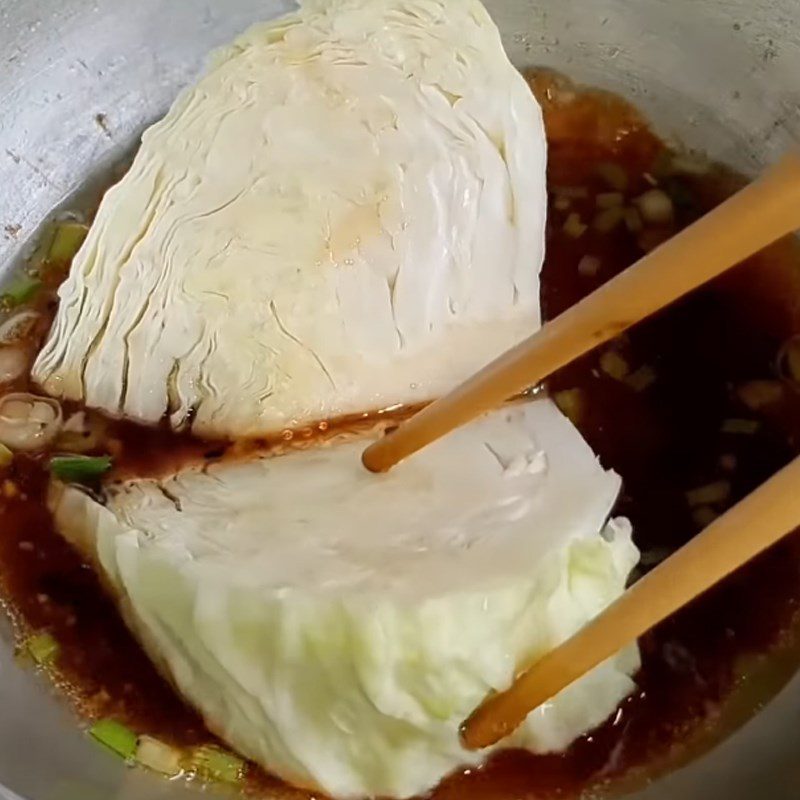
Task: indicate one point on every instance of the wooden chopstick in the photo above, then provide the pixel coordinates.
(751, 526)
(747, 222)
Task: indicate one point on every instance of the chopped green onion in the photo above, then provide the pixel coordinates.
(703, 516)
(570, 401)
(21, 290)
(67, 240)
(655, 206)
(571, 192)
(6, 456)
(115, 736)
(608, 199)
(214, 763)
(793, 359)
(633, 221)
(613, 174)
(614, 365)
(789, 360)
(744, 426)
(711, 493)
(607, 220)
(574, 227)
(589, 266)
(760, 394)
(158, 756)
(79, 469)
(690, 164)
(43, 649)
(642, 378)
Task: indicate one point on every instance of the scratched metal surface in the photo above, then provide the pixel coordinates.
(79, 80)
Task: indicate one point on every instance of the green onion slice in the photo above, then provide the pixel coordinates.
(642, 378)
(43, 649)
(214, 763)
(21, 290)
(710, 494)
(614, 365)
(67, 240)
(740, 426)
(79, 469)
(116, 737)
(571, 403)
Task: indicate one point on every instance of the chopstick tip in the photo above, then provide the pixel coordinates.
(373, 462)
(483, 727)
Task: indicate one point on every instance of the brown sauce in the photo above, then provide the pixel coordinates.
(664, 439)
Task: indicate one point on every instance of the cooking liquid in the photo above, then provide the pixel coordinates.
(663, 439)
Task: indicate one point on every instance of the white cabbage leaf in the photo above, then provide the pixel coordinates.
(337, 626)
(346, 212)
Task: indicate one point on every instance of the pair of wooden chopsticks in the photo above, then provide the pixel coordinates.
(764, 211)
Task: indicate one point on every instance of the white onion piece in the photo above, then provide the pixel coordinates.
(18, 327)
(28, 422)
(13, 362)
